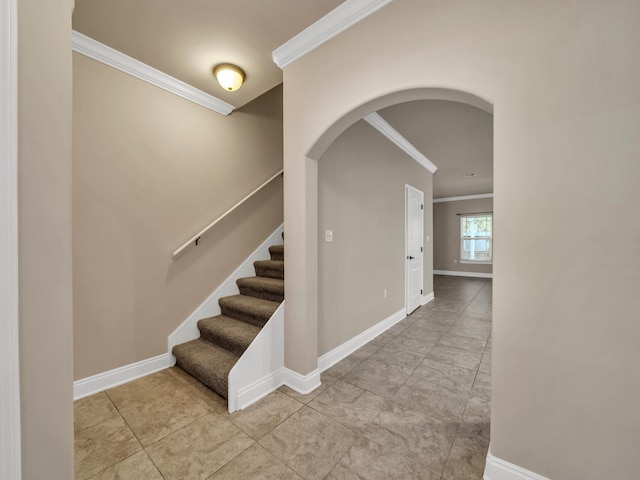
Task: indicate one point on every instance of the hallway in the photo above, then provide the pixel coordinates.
(411, 404)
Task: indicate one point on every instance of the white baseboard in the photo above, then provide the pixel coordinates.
(102, 381)
(302, 384)
(347, 348)
(188, 330)
(427, 298)
(260, 389)
(463, 274)
(497, 469)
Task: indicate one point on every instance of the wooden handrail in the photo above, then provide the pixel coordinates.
(193, 241)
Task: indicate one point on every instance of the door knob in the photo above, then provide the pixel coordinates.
(410, 257)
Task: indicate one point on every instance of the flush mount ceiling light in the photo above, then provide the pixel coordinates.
(230, 77)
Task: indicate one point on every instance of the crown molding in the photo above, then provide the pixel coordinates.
(463, 197)
(333, 23)
(377, 122)
(102, 53)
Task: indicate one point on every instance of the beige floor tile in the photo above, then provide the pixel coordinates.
(484, 369)
(310, 443)
(384, 338)
(217, 403)
(482, 386)
(470, 344)
(415, 341)
(343, 367)
(371, 461)
(103, 445)
(181, 375)
(380, 379)
(326, 382)
(350, 405)
(90, 411)
(455, 356)
(413, 434)
(435, 400)
(365, 351)
(478, 410)
(255, 463)
(157, 405)
(398, 328)
(468, 454)
(445, 374)
(136, 467)
(482, 308)
(200, 449)
(401, 358)
(472, 328)
(263, 416)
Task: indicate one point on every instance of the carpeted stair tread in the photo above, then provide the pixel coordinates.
(206, 362)
(248, 309)
(229, 333)
(277, 252)
(262, 287)
(269, 268)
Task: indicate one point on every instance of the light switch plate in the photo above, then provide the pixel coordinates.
(328, 236)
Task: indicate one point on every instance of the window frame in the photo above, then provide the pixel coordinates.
(464, 216)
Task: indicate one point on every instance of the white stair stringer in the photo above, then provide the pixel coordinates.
(260, 368)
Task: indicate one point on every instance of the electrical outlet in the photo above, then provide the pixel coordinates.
(328, 236)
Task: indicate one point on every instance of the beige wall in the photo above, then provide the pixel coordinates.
(563, 77)
(44, 217)
(150, 169)
(446, 234)
(361, 197)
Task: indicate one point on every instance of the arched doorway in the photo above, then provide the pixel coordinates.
(301, 220)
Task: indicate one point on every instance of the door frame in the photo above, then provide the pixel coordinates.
(10, 435)
(407, 187)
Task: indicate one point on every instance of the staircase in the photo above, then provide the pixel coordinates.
(225, 337)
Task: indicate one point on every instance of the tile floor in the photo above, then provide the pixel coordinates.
(411, 404)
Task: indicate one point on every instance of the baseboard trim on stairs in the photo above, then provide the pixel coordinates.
(102, 381)
(260, 389)
(332, 357)
(302, 384)
(427, 298)
(498, 469)
(188, 330)
(463, 274)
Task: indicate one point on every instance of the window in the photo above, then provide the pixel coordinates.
(476, 238)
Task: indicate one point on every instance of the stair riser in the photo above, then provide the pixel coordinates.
(220, 385)
(264, 294)
(269, 272)
(233, 347)
(248, 317)
(277, 252)
(207, 372)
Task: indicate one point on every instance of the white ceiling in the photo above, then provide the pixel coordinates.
(186, 39)
(456, 137)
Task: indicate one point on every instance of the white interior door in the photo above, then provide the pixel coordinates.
(414, 226)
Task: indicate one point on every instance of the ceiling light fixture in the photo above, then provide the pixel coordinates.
(230, 77)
